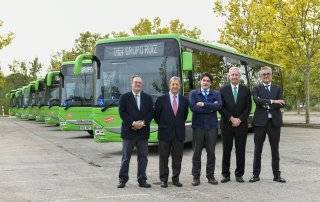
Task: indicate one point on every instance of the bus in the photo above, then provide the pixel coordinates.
(26, 102)
(156, 58)
(12, 102)
(19, 102)
(32, 107)
(52, 81)
(40, 88)
(76, 97)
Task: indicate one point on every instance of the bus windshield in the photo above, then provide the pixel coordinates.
(156, 61)
(26, 97)
(77, 90)
(52, 95)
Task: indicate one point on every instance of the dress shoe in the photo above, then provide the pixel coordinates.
(164, 184)
(240, 179)
(177, 183)
(121, 184)
(254, 179)
(195, 182)
(144, 185)
(279, 179)
(213, 181)
(225, 179)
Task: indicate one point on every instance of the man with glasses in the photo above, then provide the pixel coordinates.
(236, 107)
(204, 104)
(267, 120)
(136, 112)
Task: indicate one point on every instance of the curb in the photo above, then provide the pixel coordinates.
(302, 125)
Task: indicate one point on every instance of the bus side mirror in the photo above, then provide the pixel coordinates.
(80, 60)
(186, 61)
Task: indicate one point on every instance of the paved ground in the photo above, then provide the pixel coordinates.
(294, 117)
(41, 163)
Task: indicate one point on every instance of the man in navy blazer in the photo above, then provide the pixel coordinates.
(267, 119)
(204, 104)
(136, 112)
(171, 112)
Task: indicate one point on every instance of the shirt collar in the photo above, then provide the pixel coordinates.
(171, 94)
(202, 90)
(136, 94)
(269, 84)
(232, 86)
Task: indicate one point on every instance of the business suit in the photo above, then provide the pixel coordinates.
(205, 130)
(129, 112)
(171, 134)
(267, 120)
(239, 108)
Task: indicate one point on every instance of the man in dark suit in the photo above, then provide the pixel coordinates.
(204, 104)
(267, 120)
(171, 112)
(236, 107)
(136, 112)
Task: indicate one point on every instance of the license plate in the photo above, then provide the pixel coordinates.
(85, 128)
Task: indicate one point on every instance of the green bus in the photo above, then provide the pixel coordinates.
(12, 102)
(33, 106)
(76, 98)
(52, 81)
(40, 88)
(26, 102)
(19, 102)
(156, 58)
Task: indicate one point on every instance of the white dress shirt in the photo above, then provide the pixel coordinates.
(137, 97)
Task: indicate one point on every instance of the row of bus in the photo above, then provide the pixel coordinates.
(84, 94)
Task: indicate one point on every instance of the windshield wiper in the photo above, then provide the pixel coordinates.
(109, 105)
(73, 99)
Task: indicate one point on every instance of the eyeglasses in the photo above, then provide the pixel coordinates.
(266, 74)
(206, 80)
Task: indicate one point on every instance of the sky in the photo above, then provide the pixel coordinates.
(43, 27)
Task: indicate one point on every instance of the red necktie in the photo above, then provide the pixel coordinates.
(175, 105)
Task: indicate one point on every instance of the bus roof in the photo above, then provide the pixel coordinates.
(73, 62)
(219, 48)
(49, 77)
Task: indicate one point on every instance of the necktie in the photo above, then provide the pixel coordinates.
(235, 93)
(205, 95)
(267, 87)
(175, 105)
(136, 98)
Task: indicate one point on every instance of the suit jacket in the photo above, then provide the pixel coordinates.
(129, 112)
(240, 109)
(263, 98)
(169, 125)
(205, 117)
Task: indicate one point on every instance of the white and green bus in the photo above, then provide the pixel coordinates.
(156, 58)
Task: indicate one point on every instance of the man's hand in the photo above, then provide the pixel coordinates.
(235, 121)
(200, 104)
(136, 125)
(281, 102)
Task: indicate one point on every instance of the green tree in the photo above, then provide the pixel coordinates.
(5, 39)
(35, 67)
(284, 32)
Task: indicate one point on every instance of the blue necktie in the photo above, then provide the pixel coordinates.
(205, 95)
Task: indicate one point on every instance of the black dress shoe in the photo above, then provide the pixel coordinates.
(195, 182)
(279, 179)
(240, 179)
(177, 183)
(121, 184)
(254, 179)
(225, 179)
(144, 185)
(164, 184)
(213, 181)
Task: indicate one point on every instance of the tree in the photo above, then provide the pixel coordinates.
(36, 66)
(5, 39)
(283, 32)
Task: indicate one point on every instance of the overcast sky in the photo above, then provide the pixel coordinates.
(42, 27)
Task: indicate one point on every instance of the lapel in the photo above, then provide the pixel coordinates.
(169, 104)
(133, 100)
(230, 92)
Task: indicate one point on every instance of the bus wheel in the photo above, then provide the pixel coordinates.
(90, 132)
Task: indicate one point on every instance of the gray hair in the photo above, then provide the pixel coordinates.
(234, 68)
(135, 76)
(174, 78)
(265, 68)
